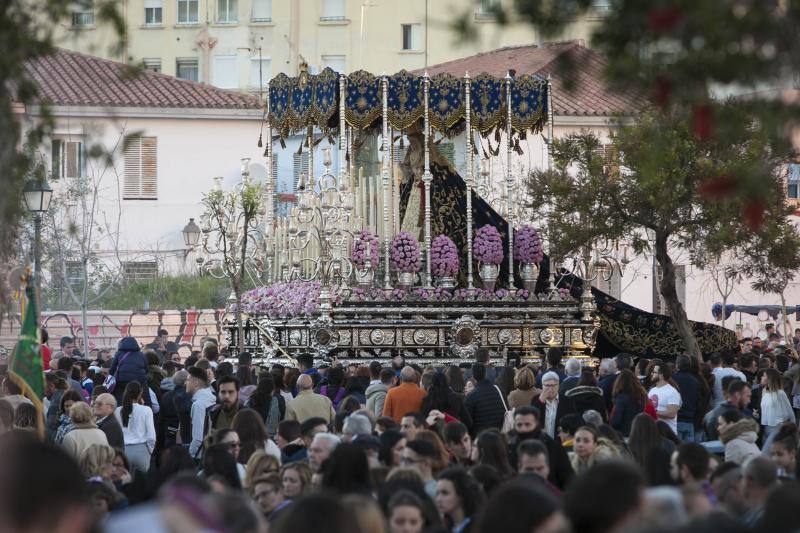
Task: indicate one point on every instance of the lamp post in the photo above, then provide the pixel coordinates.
(37, 193)
(191, 236)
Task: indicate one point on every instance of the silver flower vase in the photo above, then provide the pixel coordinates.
(405, 280)
(364, 277)
(489, 273)
(447, 282)
(529, 272)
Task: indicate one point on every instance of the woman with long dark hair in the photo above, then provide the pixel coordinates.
(138, 429)
(268, 402)
(277, 371)
(630, 399)
(65, 425)
(441, 398)
(491, 449)
(392, 445)
(458, 498)
(219, 463)
(243, 371)
(253, 435)
(455, 379)
(347, 470)
(650, 450)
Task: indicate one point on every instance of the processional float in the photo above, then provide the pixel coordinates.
(414, 263)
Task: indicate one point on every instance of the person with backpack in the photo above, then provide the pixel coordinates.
(268, 402)
(129, 365)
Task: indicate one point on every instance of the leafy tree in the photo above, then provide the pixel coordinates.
(26, 33)
(663, 189)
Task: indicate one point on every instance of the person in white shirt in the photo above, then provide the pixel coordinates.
(725, 370)
(664, 394)
(138, 429)
(775, 405)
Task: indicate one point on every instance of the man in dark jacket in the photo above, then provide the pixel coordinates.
(129, 364)
(221, 415)
(526, 427)
(170, 417)
(485, 404)
(690, 397)
(103, 410)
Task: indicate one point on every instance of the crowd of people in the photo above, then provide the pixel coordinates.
(142, 438)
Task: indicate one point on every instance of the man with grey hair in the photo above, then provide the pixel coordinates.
(103, 410)
(552, 404)
(607, 376)
(573, 370)
(355, 425)
(405, 398)
(759, 477)
(308, 404)
(321, 448)
(174, 400)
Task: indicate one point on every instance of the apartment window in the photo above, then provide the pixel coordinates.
(412, 36)
(153, 10)
(793, 181)
(141, 168)
(262, 11)
(83, 14)
(333, 10)
(133, 271)
(187, 12)
(226, 11)
(337, 63)
(300, 166)
(68, 159)
(260, 72)
(601, 5)
(153, 64)
(186, 69)
(224, 73)
(487, 9)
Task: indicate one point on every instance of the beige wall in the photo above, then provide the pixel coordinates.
(296, 29)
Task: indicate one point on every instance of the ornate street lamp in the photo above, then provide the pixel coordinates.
(37, 194)
(191, 235)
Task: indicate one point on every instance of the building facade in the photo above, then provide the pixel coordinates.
(240, 44)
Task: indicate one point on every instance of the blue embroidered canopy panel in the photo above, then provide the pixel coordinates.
(313, 100)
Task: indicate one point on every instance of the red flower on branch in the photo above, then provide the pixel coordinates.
(717, 187)
(702, 122)
(754, 213)
(663, 19)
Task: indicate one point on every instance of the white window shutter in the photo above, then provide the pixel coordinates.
(133, 167)
(149, 167)
(262, 10)
(225, 73)
(141, 168)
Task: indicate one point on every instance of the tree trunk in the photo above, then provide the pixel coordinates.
(670, 295)
(85, 307)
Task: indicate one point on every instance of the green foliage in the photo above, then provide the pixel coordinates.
(657, 179)
(180, 292)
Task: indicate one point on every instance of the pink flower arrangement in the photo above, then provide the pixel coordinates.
(285, 300)
(444, 257)
(439, 295)
(488, 246)
(363, 239)
(405, 253)
(528, 245)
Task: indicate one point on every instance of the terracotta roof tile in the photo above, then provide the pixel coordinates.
(592, 95)
(75, 79)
